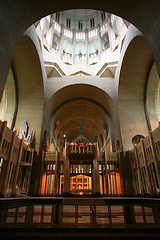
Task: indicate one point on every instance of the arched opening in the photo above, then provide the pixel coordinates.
(75, 96)
(137, 138)
(8, 105)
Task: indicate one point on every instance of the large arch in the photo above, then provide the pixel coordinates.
(26, 13)
(152, 98)
(29, 78)
(70, 113)
(83, 92)
(96, 122)
(105, 84)
(133, 78)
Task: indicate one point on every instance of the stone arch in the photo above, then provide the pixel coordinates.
(134, 73)
(137, 138)
(8, 105)
(20, 20)
(88, 93)
(28, 73)
(152, 98)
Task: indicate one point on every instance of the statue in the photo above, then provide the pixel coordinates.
(25, 132)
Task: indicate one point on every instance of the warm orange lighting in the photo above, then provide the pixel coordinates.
(45, 149)
(43, 184)
(118, 182)
(81, 182)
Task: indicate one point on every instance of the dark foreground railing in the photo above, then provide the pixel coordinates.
(80, 212)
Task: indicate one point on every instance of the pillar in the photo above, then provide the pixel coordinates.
(87, 45)
(49, 36)
(111, 35)
(119, 23)
(43, 25)
(74, 46)
(61, 41)
(99, 41)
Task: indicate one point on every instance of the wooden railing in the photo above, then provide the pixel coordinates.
(88, 212)
(14, 155)
(112, 160)
(145, 162)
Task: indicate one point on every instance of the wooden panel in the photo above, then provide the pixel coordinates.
(8, 134)
(50, 156)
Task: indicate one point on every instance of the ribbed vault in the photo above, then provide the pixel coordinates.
(68, 117)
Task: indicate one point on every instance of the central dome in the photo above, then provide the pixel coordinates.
(82, 37)
(81, 19)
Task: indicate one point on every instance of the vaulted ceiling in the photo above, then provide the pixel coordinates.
(67, 120)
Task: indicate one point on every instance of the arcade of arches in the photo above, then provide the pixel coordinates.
(81, 88)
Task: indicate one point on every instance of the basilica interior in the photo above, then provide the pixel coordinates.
(80, 115)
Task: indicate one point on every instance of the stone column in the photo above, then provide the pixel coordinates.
(49, 36)
(61, 41)
(66, 171)
(74, 46)
(87, 47)
(43, 24)
(17, 168)
(99, 40)
(5, 179)
(119, 23)
(156, 163)
(111, 35)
